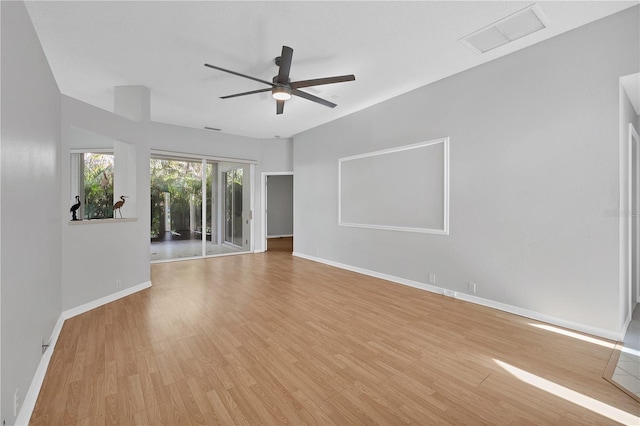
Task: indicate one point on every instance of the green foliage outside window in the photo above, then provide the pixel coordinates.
(183, 181)
(98, 186)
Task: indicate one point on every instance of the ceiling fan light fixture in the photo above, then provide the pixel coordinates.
(281, 93)
(282, 88)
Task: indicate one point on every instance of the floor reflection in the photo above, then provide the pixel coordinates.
(167, 250)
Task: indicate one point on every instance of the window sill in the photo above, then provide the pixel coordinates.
(101, 221)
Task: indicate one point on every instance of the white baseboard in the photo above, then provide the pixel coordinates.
(607, 334)
(31, 397)
(279, 236)
(70, 313)
(392, 278)
(594, 331)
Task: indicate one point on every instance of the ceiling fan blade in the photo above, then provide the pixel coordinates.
(285, 64)
(279, 107)
(312, 98)
(245, 93)
(320, 81)
(240, 75)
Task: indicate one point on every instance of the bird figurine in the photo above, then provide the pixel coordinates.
(119, 204)
(74, 208)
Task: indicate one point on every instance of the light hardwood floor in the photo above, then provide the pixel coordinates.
(272, 339)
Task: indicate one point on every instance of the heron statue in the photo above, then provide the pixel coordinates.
(119, 204)
(74, 208)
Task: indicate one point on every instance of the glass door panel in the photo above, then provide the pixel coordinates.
(211, 223)
(198, 208)
(233, 206)
(237, 207)
(176, 209)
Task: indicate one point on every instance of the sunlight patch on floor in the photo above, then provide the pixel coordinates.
(572, 396)
(578, 336)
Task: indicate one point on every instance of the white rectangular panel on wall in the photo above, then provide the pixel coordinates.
(403, 189)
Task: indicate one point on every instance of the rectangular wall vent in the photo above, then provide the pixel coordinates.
(522, 23)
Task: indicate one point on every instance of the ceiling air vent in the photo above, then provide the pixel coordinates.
(515, 26)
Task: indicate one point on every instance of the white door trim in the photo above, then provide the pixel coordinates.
(633, 162)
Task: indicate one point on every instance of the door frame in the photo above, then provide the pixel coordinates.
(217, 191)
(247, 209)
(634, 163)
(263, 204)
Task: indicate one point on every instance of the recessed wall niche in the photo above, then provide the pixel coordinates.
(401, 189)
(101, 171)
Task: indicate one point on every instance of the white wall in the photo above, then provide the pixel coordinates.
(279, 205)
(534, 168)
(30, 240)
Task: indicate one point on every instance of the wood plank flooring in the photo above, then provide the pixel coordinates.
(268, 339)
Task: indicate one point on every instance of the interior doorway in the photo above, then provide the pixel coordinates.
(629, 218)
(634, 226)
(277, 226)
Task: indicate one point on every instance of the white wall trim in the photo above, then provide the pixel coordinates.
(527, 313)
(31, 397)
(607, 334)
(280, 236)
(70, 313)
(633, 136)
(445, 201)
(175, 155)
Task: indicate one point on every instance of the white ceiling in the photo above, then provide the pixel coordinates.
(391, 47)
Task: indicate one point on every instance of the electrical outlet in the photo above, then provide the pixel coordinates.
(16, 401)
(118, 283)
(432, 278)
(472, 287)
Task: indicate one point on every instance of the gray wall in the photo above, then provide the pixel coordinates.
(279, 205)
(534, 167)
(96, 255)
(30, 240)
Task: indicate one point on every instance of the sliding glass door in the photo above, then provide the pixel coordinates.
(187, 219)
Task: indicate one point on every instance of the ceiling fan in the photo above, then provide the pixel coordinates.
(282, 88)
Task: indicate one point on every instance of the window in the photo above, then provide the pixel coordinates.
(92, 179)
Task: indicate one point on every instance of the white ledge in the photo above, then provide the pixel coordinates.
(101, 221)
